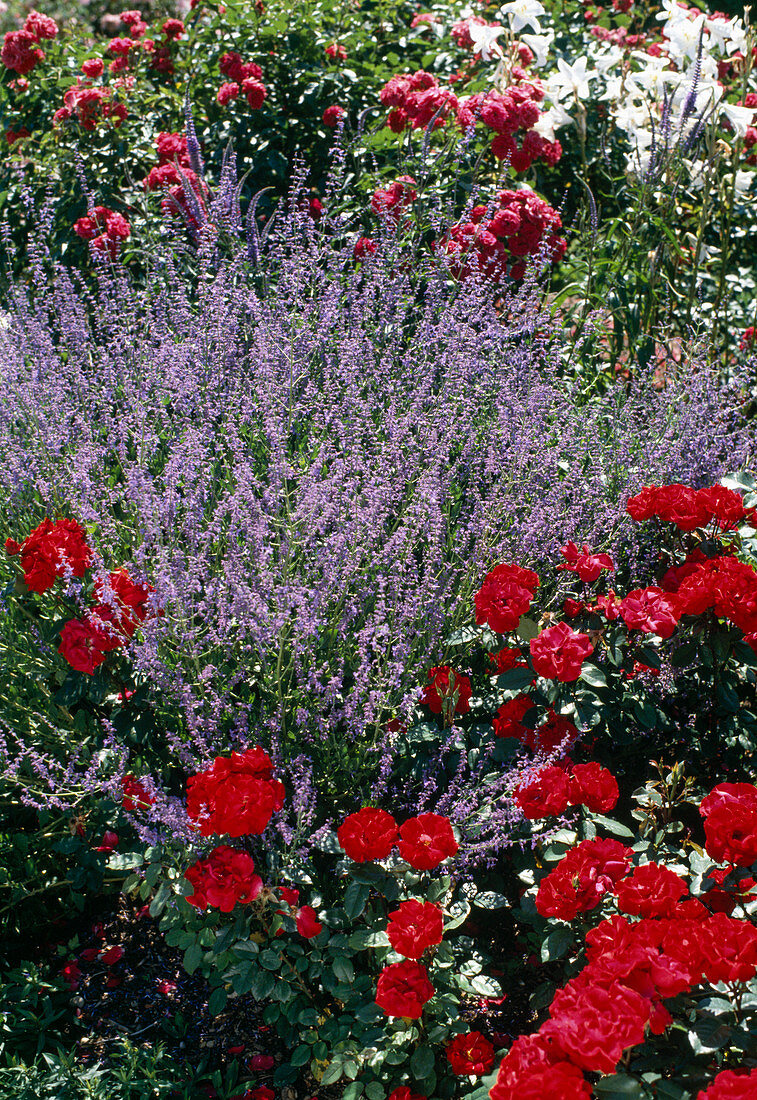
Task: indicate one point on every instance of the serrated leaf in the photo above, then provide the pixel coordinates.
(490, 899)
(355, 899)
(217, 1001)
(422, 1062)
(613, 826)
(593, 676)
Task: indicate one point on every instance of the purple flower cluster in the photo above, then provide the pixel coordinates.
(314, 462)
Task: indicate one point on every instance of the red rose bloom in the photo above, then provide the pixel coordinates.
(332, 115)
(730, 825)
(364, 246)
(593, 786)
(728, 949)
(415, 926)
(404, 1093)
(224, 879)
(586, 565)
(84, 645)
(236, 795)
(544, 795)
(19, 53)
(135, 797)
(732, 1084)
(556, 732)
(650, 891)
(504, 596)
(50, 551)
(125, 606)
(448, 692)
(426, 840)
(595, 1024)
(582, 878)
(535, 1068)
(403, 989)
(508, 722)
(559, 652)
(651, 610)
(470, 1054)
(307, 922)
(368, 834)
(41, 26)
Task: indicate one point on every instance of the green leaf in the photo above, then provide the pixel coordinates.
(557, 943)
(620, 1086)
(422, 1062)
(355, 899)
(344, 969)
(217, 1001)
(684, 655)
(527, 629)
(613, 826)
(515, 679)
(300, 1056)
(489, 899)
(593, 676)
(192, 958)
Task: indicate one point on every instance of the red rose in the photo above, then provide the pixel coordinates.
(41, 26)
(332, 115)
(364, 246)
(125, 605)
(595, 1024)
(392, 200)
(544, 795)
(556, 732)
(173, 28)
(307, 922)
(84, 645)
(403, 989)
(426, 840)
(470, 1054)
(448, 693)
(586, 565)
(725, 506)
(50, 551)
(224, 879)
(593, 786)
(255, 93)
(504, 596)
(135, 796)
(651, 610)
(582, 878)
(404, 1093)
(650, 891)
(368, 834)
(730, 825)
(92, 67)
(508, 722)
(559, 652)
(534, 1068)
(728, 949)
(415, 926)
(236, 795)
(732, 1084)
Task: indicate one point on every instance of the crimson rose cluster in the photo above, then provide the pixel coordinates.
(660, 943)
(416, 99)
(59, 551)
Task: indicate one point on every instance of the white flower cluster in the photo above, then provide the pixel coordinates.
(656, 99)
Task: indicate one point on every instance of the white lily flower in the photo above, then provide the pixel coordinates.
(739, 117)
(571, 80)
(684, 36)
(539, 44)
(743, 182)
(524, 13)
(551, 120)
(484, 40)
